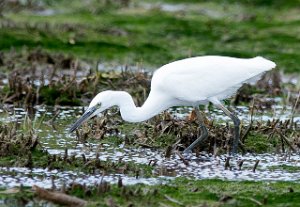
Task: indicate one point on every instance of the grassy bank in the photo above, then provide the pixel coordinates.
(144, 32)
(179, 192)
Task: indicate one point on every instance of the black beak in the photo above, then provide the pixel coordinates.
(87, 114)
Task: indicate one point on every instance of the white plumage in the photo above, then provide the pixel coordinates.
(188, 82)
(200, 78)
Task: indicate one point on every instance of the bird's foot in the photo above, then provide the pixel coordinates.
(187, 154)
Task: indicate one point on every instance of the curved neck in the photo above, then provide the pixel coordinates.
(154, 104)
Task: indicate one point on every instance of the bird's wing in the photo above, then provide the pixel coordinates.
(197, 79)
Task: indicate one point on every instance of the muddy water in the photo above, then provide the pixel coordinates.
(56, 139)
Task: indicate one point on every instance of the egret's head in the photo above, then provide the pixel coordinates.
(100, 103)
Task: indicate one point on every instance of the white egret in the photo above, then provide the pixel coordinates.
(188, 82)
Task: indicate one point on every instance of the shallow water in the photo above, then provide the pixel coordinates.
(14, 177)
(277, 111)
(202, 167)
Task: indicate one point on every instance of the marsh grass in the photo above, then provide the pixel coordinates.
(20, 147)
(154, 36)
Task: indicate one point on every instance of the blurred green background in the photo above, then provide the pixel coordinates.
(154, 32)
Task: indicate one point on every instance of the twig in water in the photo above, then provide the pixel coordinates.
(250, 124)
(146, 145)
(225, 198)
(168, 152)
(215, 150)
(240, 163)
(227, 164)
(66, 154)
(255, 165)
(120, 183)
(58, 197)
(253, 200)
(285, 139)
(294, 109)
(182, 158)
(53, 186)
(173, 200)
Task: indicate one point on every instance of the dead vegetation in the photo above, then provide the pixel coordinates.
(177, 134)
(270, 84)
(37, 77)
(14, 142)
(41, 78)
(22, 148)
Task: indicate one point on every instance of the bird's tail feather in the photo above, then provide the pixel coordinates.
(263, 63)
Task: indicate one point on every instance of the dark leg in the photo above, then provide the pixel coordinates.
(203, 135)
(236, 123)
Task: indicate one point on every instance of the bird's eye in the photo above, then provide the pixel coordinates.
(98, 105)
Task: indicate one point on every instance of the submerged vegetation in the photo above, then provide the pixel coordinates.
(57, 53)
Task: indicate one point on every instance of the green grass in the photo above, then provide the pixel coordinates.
(187, 192)
(155, 37)
(256, 3)
(288, 168)
(210, 192)
(259, 143)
